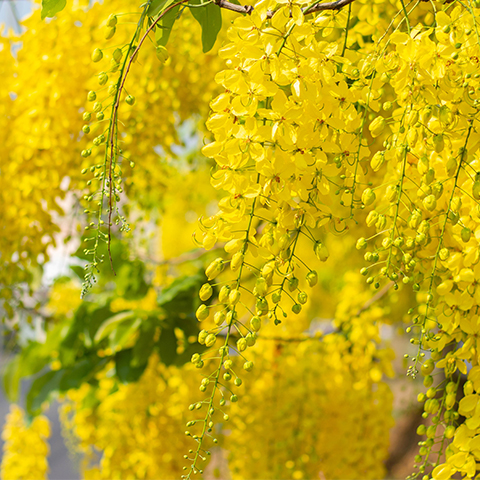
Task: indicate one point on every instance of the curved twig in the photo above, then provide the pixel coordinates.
(248, 9)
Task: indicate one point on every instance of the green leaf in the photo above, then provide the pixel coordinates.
(31, 360)
(81, 372)
(42, 390)
(143, 347)
(155, 7)
(51, 7)
(210, 19)
(79, 271)
(11, 379)
(182, 285)
(167, 346)
(126, 372)
(165, 25)
(130, 283)
(123, 333)
(107, 327)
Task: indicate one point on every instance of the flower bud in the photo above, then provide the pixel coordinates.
(102, 78)
(361, 243)
(97, 55)
(112, 20)
(215, 268)
(391, 193)
(117, 55)
(302, 298)
(261, 287)
(162, 53)
(368, 196)
(224, 293)
(438, 143)
(476, 190)
(210, 340)
(219, 318)
(234, 246)
(372, 218)
(241, 345)
(261, 306)
(430, 203)
(292, 284)
(255, 324)
(312, 278)
(110, 32)
(234, 297)
(321, 251)
(202, 335)
(202, 312)
(377, 126)
(237, 260)
(248, 366)
(205, 292)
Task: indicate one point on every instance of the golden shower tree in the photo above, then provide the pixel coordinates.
(338, 188)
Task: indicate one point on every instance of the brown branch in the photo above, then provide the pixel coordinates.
(248, 9)
(320, 7)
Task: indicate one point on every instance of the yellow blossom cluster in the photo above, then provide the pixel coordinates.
(138, 427)
(423, 213)
(26, 448)
(44, 88)
(316, 407)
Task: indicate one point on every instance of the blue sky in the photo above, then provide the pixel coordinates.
(9, 9)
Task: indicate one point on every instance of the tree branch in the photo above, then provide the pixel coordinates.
(248, 9)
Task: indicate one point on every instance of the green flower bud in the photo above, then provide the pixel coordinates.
(219, 318)
(430, 203)
(202, 335)
(205, 292)
(368, 196)
(251, 339)
(261, 287)
(302, 298)
(321, 251)
(162, 53)
(234, 297)
(110, 32)
(312, 278)
(112, 20)
(361, 243)
(255, 324)
(97, 55)
(210, 340)
(297, 308)
(377, 161)
(248, 366)
(202, 312)
(117, 55)
(237, 260)
(102, 78)
(292, 284)
(215, 268)
(377, 126)
(241, 345)
(224, 293)
(261, 306)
